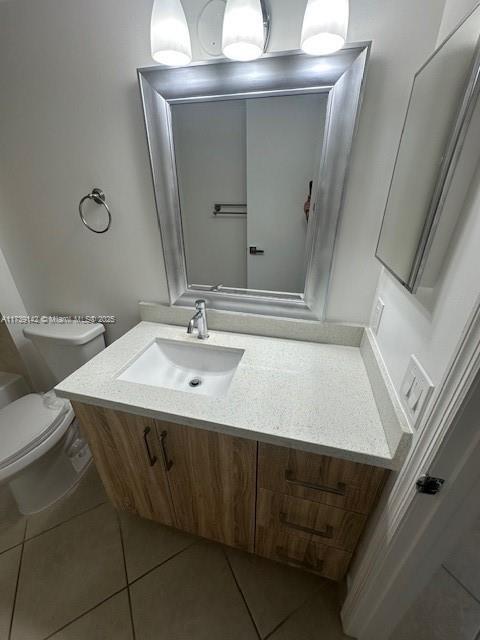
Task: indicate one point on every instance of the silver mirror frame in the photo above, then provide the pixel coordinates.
(342, 77)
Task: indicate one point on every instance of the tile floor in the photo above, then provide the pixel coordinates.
(81, 571)
(449, 606)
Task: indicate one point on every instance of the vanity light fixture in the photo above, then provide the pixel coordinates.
(325, 25)
(169, 35)
(245, 29)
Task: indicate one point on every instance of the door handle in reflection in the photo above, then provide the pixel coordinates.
(256, 252)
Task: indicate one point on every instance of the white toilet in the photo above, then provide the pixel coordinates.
(42, 454)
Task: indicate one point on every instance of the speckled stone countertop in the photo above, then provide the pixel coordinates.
(310, 396)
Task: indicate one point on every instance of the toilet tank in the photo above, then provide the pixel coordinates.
(66, 346)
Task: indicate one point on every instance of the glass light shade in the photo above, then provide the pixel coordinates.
(242, 36)
(325, 25)
(169, 35)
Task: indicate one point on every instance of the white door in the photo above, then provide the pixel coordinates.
(415, 531)
(284, 142)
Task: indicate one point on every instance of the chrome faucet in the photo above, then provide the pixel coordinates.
(199, 320)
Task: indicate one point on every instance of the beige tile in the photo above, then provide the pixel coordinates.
(110, 620)
(9, 563)
(12, 523)
(148, 544)
(192, 596)
(66, 571)
(88, 493)
(443, 611)
(272, 591)
(318, 619)
(464, 562)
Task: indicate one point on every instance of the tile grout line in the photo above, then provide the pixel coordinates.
(132, 624)
(84, 613)
(454, 577)
(292, 613)
(19, 544)
(160, 564)
(17, 583)
(59, 524)
(227, 559)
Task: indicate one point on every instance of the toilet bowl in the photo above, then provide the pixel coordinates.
(42, 453)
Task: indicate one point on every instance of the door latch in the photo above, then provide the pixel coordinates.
(429, 485)
(256, 252)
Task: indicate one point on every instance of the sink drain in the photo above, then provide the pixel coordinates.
(195, 382)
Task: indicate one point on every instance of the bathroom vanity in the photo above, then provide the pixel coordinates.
(287, 461)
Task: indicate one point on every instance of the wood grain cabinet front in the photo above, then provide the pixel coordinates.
(212, 480)
(338, 483)
(127, 455)
(311, 520)
(196, 480)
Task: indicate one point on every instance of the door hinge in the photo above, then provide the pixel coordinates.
(429, 485)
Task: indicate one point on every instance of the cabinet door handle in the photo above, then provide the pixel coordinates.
(324, 533)
(281, 553)
(151, 459)
(166, 460)
(338, 490)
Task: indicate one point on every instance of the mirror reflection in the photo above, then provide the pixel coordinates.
(434, 131)
(247, 173)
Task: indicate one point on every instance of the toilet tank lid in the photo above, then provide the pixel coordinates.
(72, 333)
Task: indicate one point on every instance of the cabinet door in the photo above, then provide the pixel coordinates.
(212, 482)
(127, 455)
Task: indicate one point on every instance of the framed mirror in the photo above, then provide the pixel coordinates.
(422, 209)
(249, 164)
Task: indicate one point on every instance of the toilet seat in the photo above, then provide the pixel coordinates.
(29, 427)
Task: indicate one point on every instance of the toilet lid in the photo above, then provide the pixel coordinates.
(26, 422)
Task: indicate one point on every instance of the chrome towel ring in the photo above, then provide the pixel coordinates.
(97, 196)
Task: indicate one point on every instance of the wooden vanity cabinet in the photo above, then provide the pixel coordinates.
(303, 509)
(196, 480)
(127, 455)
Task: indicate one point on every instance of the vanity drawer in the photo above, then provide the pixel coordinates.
(338, 483)
(299, 552)
(310, 520)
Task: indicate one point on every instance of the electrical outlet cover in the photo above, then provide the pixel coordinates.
(415, 391)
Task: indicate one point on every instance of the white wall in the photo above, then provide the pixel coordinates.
(431, 328)
(455, 11)
(71, 119)
(12, 305)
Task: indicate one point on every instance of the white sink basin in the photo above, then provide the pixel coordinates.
(196, 368)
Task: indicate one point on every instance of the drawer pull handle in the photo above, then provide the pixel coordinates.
(151, 459)
(318, 566)
(325, 533)
(338, 490)
(166, 460)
